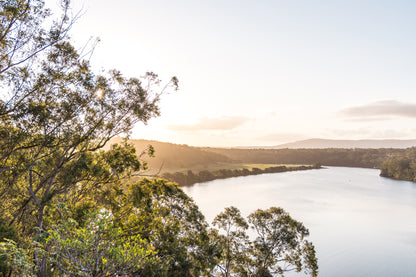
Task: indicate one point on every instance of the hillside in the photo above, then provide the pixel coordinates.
(171, 157)
(332, 143)
(175, 157)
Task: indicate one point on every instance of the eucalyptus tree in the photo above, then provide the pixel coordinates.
(24, 40)
(94, 247)
(280, 245)
(161, 213)
(234, 242)
(277, 246)
(56, 114)
(14, 260)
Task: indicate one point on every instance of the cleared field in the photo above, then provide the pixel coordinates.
(219, 166)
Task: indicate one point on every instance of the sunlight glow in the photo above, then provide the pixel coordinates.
(99, 93)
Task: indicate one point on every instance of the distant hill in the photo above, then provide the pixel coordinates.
(332, 143)
(169, 156)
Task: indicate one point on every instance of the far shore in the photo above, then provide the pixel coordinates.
(189, 178)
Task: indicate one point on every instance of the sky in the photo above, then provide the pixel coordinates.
(262, 73)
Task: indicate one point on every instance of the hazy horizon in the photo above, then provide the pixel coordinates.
(264, 72)
(312, 143)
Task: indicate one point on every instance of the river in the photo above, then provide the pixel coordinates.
(360, 223)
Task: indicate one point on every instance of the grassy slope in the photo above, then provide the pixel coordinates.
(174, 157)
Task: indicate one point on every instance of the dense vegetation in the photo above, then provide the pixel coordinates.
(189, 178)
(369, 158)
(68, 207)
(401, 167)
(175, 157)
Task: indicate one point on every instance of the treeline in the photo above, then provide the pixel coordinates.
(367, 158)
(189, 178)
(402, 167)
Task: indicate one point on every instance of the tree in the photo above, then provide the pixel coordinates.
(56, 114)
(22, 34)
(96, 247)
(280, 244)
(23, 43)
(278, 248)
(234, 241)
(7, 235)
(14, 259)
(160, 212)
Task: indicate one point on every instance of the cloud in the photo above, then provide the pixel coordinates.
(380, 110)
(218, 124)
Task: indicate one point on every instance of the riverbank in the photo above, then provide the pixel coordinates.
(189, 178)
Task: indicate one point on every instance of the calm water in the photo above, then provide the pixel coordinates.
(361, 224)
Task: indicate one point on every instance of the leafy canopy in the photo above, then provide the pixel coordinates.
(279, 245)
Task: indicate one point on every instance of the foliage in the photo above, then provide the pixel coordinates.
(234, 241)
(14, 260)
(162, 213)
(96, 248)
(7, 235)
(6, 231)
(402, 167)
(279, 246)
(56, 113)
(55, 116)
(22, 36)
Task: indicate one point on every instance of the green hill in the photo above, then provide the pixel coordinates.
(176, 157)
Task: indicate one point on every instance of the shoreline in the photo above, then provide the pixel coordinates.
(190, 178)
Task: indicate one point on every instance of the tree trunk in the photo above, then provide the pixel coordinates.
(40, 260)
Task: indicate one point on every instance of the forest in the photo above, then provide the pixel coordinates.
(68, 204)
(401, 167)
(366, 158)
